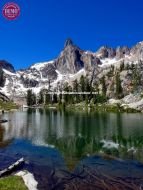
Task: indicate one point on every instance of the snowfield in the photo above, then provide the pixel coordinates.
(15, 87)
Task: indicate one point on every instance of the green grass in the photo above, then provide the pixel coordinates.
(12, 183)
(7, 105)
(102, 107)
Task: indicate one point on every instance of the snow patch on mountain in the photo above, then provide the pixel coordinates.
(108, 62)
(69, 77)
(41, 65)
(8, 72)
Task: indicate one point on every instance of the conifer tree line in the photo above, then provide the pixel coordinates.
(83, 85)
(45, 98)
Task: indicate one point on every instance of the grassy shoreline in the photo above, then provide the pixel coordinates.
(104, 107)
(12, 183)
(7, 106)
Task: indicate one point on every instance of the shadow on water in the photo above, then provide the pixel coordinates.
(59, 148)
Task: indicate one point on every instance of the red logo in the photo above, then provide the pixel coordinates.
(11, 11)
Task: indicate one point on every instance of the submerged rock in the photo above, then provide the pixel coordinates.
(3, 121)
(109, 144)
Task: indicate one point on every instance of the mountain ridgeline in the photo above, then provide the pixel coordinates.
(110, 72)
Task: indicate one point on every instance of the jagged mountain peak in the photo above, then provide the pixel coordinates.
(73, 59)
(106, 52)
(68, 42)
(104, 47)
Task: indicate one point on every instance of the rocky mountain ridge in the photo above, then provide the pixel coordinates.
(74, 62)
(8, 66)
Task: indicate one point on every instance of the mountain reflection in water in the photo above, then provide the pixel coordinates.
(50, 140)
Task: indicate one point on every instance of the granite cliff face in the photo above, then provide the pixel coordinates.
(106, 52)
(69, 60)
(74, 62)
(72, 59)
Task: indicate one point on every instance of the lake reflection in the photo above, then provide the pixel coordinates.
(77, 134)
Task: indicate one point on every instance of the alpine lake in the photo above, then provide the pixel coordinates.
(61, 147)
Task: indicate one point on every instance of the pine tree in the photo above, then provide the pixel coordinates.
(112, 68)
(119, 89)
(66, 90)
(132, 66)
(41, 97)
(47, 99)
(31, 98)
(127, 66)
(76, 89)
(82, 83)
(136, 79)
(87, 89)
(71, 96)
(55, 99)
(68, 98)
(87, 85)
(82, 87)
(2, 79)
(104, 88)
(122, 66)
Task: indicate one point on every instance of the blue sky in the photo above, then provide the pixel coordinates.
(43, 26)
